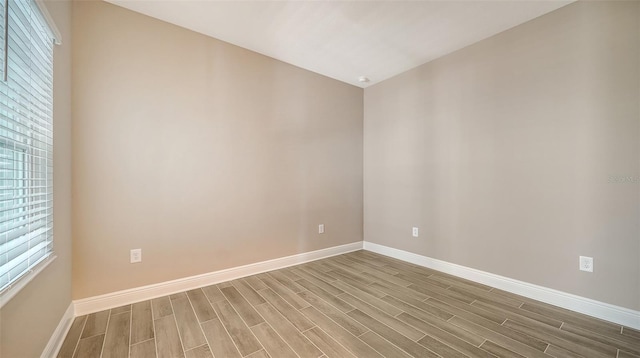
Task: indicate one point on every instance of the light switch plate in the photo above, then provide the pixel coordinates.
(136, 256)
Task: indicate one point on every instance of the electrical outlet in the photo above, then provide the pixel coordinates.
(415, 232)
(586, 263)
(321, 229)
(136, 255)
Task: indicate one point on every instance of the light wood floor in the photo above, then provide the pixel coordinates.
(359, 304)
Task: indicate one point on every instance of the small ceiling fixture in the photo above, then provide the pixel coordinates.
(363, 79)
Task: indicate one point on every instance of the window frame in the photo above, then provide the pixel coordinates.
(33, 164)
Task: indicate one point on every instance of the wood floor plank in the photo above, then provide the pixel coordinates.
(373, 266)
(505, 331)
(73, 336)
(439, 293)
(90, 347)
(322, 266)
(178, 295)
(417, 309)
(188, 326)
(392, 335)
(272, 342)
(378, 276)
(168, 343)
(353, 265)
(405, 267)
(283, 292)
(339, 267)
(400, 289)
(588, 323)
(458, 282)
(407, 297)
(348, 340)
(522, 344)
(201, 305)
(515, 312)
(634, 333)
(199, 352)
(312, 270)
(335, 314)
(482, 295)
(343, 268)
(290, 274)
(623, 354)
(325, 269)
(222, 285)
(440, 348)
(442, 324)
(318, 281)
(145, 349)
(242, 306)
(285, 281)
(248, 292)
(561, 353)
(421, 280)
(383, 346)
(288, 311)
(96, 324)
(141, 322)
(368, 256)
(219, 340)
(300, 344)
(121, 309)
(455, 307)
(381, 316)
(213, 293)
(116, 341)
(556, 341)
(255, 283)
(360, 285)
(625, 343)
(161, 307)
(520, 298)
(259, 354)
(328, 345)
(333, 300)
(499, 351)
(443, 336)
(605, 347)
(375, 301)
(238, 330)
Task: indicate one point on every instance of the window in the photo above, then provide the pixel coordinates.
(26, 140)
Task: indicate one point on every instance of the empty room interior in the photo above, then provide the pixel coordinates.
(195, 178)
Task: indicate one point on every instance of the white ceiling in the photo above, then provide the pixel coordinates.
(347, 39)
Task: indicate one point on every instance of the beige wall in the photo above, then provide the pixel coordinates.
(30, 318)
(205, 155)
(502, 154)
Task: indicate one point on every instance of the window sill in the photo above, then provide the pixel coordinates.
(17, 286)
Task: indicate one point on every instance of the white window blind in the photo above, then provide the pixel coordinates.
(26, 140)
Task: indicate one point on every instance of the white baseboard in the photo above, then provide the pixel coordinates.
(57, 338)
(115, 299)
(605, 311)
